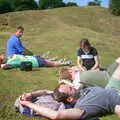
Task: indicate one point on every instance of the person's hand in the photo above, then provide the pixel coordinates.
(84, 69)
(118, 60)
(92, 68)
(24, 103)
(26, 97)
(75, 68)
(28, 52)
(3, 66)
(81, 68)
(117, 110)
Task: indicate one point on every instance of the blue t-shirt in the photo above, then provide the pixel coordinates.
(97, 101)
(14, 46)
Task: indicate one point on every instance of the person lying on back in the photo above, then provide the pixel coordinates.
(89, 102)
(90, 78)
(37, 61)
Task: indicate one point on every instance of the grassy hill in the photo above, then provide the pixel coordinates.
(58, 31)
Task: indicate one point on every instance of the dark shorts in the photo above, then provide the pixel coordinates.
(41, 61)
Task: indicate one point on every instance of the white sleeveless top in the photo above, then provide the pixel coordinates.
(76, 81)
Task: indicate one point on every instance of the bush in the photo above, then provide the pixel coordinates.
(4, 6)
(115, 7)
(18, 5)
(22, 7)
(94, 3)
(45, 4)
(71, 4)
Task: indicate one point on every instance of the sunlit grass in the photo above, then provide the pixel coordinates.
(59, 32)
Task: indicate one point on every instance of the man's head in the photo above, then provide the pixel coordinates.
(66, 73)
(65, 93)
(19, 31)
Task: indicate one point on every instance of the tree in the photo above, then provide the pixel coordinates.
(71, 4)
(4, 6)
(45, 4)
(23, 5)
(115, 7)
(94, 3)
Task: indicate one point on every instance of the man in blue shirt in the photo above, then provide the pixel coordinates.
(14, 44)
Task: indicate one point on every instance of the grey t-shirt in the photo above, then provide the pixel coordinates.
(97, 101)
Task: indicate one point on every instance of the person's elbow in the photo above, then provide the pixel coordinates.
(56, 116)
(117, 110)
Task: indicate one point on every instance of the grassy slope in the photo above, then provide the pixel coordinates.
(58, 31)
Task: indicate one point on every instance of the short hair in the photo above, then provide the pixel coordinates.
(60, 96)
(20, 28)
(84, 42)
(64, 73)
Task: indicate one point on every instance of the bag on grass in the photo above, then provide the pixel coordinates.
(26, 66)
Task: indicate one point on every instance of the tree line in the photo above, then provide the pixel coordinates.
(20, 5)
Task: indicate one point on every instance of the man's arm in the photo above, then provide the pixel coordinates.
(19, 46)
(41, 92)
(29, 96)
(70, 114)
(22, 49)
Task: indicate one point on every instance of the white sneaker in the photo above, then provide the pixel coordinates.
(66, 62)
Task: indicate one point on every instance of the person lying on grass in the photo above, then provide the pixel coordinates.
(89, 102)
(45, 97)
(37, 61)
(91, 77)
(40, 97)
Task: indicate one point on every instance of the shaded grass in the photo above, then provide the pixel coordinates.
(58, 31)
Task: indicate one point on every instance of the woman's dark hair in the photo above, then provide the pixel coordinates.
(84, 42)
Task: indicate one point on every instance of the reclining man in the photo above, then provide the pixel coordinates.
(37, 61)
(89, 102)
(89, 78)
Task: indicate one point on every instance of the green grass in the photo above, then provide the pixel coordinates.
(58, 31)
